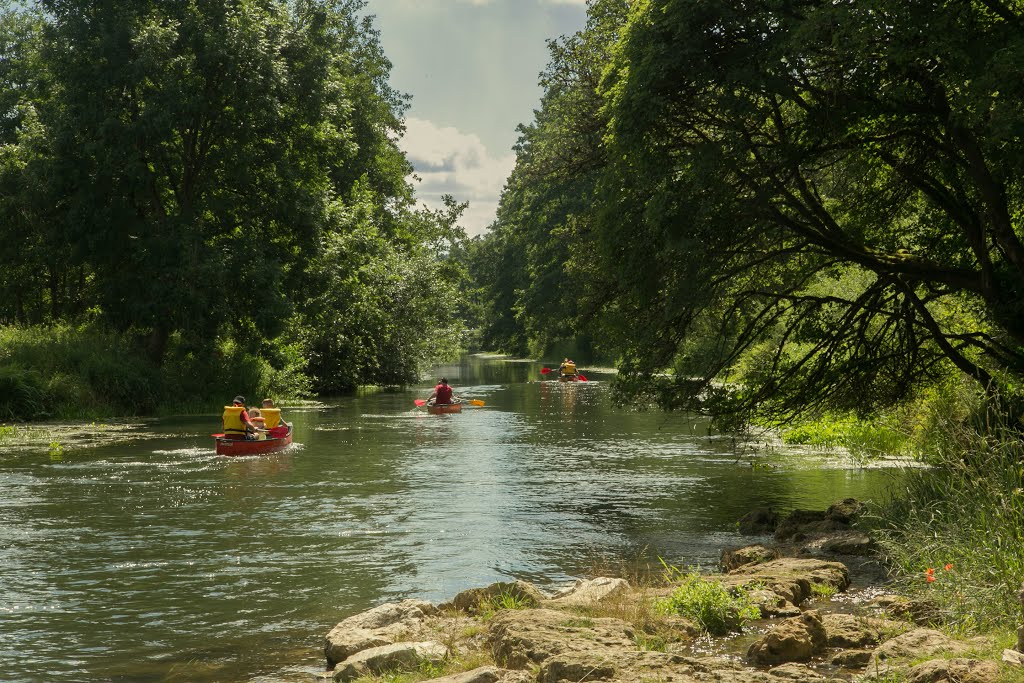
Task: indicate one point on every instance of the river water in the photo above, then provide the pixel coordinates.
(146, 557)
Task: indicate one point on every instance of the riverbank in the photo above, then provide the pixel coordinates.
(813, 604)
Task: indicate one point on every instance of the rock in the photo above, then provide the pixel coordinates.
(796, 672)
(848, 543)
(483, 674)
(791, 577)
(954, 671)
(591, 592)
(917, 643)
(521, 637)
(397, 657)
(374, 628)
(848, 631)
(751, 554)
(852, 659)
(796, 521)
(758, 522)
(1013, 658)
(793, 640)
(523, 593)
(845, 511)
(772, 605)
(576, 667)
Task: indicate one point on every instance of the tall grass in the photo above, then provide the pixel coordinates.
(963, 519)
(64, 371)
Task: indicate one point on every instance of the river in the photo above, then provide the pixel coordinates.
(146, 557)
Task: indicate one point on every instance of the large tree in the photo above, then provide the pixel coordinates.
(829, 190)
(193, 171)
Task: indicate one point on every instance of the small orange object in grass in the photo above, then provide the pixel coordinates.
(929, 578)
(948, 566)
(929, 571)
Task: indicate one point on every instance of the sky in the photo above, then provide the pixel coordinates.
(472, 68)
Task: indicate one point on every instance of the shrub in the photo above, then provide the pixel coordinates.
(708, 603)
(22, 394)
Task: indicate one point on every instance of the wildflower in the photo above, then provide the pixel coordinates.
(929, 578)
(948, 566)
(929, 571)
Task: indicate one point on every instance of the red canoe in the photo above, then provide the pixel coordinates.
(442, 408)
(568, 378)
(243, 447)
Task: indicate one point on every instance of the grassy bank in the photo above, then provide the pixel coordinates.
(67, 372)
(953, 534)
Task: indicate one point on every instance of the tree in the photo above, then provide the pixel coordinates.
(536, 264)
(830, 191)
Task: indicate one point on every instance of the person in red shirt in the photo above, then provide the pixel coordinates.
(443, 394)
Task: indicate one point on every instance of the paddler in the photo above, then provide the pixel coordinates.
(275, 426)
(236, 420)
(443, 394)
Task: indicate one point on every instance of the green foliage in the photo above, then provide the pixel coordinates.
(197, 179)
(708, 603)
(966, 511)
(87, 372)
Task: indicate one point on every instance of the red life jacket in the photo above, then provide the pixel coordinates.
(444, 393)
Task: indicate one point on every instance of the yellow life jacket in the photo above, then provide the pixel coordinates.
(232, 419)
(569, 369)
(271, 417)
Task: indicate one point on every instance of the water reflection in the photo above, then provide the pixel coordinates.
(157, 560)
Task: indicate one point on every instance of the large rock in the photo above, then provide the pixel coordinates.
(486, 674)
(796, 639)
(954, 671)
(758, 522)
(751, 554)
(379, 626)
(591, 592)
(914, 644)
(853, 632)
(519, 638)
(397, 657)
(791, 577)
(845, 511)
(523, 593)
(852, 659)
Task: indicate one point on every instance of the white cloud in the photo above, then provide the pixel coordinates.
(448, 161)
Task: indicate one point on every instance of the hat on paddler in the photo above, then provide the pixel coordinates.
(240, 400)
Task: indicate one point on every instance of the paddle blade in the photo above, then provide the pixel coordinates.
(582, 378)
(420, 402)
(545, 371)
(475, 402)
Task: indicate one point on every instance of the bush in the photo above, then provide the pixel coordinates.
(22, 394)
(708, 603)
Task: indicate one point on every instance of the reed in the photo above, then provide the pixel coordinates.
(955, 534)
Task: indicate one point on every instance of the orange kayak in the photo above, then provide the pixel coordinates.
(442, 408)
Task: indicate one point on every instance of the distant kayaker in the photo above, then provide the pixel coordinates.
(567, 368)
(236, 420)
(443, 394)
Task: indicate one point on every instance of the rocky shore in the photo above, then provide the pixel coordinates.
(824, 615)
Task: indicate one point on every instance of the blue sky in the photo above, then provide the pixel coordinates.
(471, 67)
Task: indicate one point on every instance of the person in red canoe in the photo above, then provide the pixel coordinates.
(236, 420)
(272, 422)
(443, 394)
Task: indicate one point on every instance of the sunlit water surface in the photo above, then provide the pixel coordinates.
(153, 559)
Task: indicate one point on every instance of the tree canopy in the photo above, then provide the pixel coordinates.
(795, 204)
(190, 171)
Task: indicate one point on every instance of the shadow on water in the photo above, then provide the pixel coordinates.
(151, 558)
